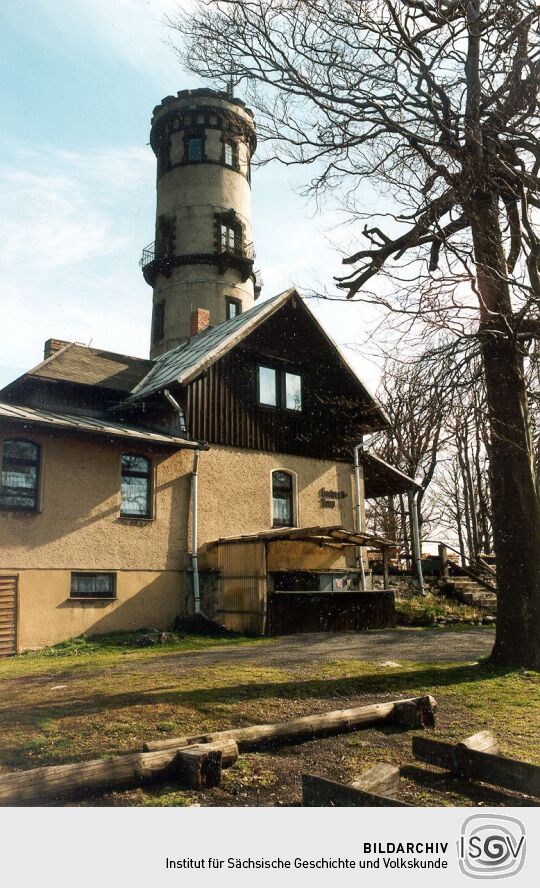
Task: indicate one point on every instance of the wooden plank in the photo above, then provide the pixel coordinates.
(382, 778)
(309, 726)
(477, 765)
(317, 792)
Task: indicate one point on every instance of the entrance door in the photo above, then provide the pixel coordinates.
(8, 616)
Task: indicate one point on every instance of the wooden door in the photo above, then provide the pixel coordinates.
(8, 616)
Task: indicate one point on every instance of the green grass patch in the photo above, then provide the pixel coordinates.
(428, 609)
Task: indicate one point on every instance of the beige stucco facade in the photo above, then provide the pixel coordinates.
(78, 527)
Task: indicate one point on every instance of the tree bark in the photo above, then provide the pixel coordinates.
(514, 486)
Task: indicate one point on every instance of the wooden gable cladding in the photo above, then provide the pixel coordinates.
(222, 408)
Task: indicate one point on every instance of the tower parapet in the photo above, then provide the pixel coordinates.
(203, 255)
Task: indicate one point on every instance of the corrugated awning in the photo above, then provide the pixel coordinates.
(31, 416)
(333, 535)
(382, 479)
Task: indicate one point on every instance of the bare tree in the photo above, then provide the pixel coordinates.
(434, 102)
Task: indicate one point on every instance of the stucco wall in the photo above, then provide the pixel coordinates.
(78, 527)
(47, 615)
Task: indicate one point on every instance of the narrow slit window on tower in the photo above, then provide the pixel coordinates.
(233, 307)
(229, 153)
(158, 322)
(194, 149)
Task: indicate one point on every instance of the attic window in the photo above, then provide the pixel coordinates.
(279, 388)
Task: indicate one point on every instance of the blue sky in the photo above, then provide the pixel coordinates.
(78, 82)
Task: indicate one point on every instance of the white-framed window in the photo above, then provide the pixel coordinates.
(136, 486)
(283, 499)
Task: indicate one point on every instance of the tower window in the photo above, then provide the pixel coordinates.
(233, 307)
(282, 499)
(135, 486)
(228, 238)
(194, 149)
(158, 322)
(229, 153)
(20, 475)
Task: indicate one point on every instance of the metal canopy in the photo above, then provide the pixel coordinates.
(382, 479)
(333, 535)
(31, 416)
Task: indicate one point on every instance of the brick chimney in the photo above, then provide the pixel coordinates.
(199, 321)
(52, 346)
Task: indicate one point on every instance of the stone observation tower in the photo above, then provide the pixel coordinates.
(201, 264)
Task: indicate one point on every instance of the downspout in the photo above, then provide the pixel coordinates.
(194, 533)
(194, 510)
(415, 533)
(358, 513)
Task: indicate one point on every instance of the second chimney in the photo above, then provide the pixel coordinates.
(52, 346)
(200, 319)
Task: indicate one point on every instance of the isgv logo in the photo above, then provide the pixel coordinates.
(491, 846)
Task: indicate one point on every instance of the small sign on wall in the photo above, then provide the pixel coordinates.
(328, 498)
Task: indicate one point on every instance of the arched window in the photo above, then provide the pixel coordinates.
(282, 499)
(136, 486)
(20, 475)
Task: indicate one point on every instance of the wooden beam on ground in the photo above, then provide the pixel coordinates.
(417, 712)
(317, 792)
(475, 763)
(194, 768)
(382, 779)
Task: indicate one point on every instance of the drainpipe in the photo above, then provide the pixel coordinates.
(194, 509)
(194, 530)
(358, 512)
(415, 533)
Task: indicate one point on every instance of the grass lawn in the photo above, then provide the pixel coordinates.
(89, 699)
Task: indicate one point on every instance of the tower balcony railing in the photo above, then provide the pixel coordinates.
(243, 251)
(148, 255)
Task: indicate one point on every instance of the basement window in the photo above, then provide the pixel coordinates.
(93, 585)
(135, 487)
(20, 475)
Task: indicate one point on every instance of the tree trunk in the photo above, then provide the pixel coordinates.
(514, 485)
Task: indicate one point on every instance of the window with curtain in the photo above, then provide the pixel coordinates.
(93, 585)
(282, 499)
(20, 475)
(136, 484)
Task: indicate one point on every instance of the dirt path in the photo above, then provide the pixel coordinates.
(415, 645)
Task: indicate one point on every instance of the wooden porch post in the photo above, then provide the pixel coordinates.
(386, 567)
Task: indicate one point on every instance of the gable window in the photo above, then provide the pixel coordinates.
(194, 149)
(293, 391)
(279, 388)
(229, 154)
(93, 585)
(268, 393)
(282, 499)
(20, 475)
(135, 487)
(233, 307)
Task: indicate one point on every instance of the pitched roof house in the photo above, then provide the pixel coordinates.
(217, 474)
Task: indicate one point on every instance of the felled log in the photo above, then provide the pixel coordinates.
(416, 712)
(317, 792)
(194, 768)
(470, 759)
(382, 779)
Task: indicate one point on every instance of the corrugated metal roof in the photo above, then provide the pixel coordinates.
(333, 533)
(33, 416)
(91, 366)
(180, 364)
